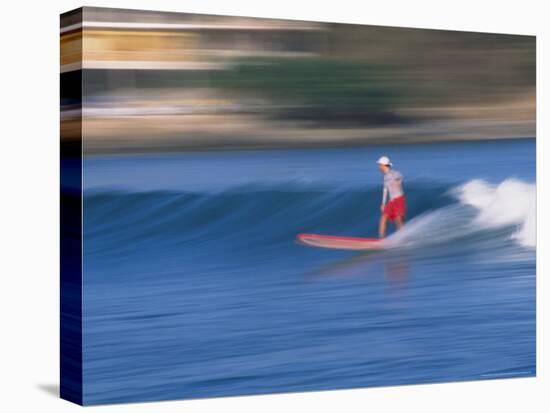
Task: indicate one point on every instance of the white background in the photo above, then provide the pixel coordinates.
(29, 208)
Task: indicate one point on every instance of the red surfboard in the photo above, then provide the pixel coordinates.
(342, 243)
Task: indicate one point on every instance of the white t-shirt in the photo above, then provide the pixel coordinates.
(392, 185)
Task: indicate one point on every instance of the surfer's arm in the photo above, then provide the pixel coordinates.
(384, 198)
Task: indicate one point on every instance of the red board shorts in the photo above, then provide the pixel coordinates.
(396, 208)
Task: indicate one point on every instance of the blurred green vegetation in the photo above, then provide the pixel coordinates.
(325, 90)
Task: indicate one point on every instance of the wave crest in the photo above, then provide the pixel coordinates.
(253, 217)
(512, 202)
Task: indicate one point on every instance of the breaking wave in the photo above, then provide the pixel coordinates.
(252, 217)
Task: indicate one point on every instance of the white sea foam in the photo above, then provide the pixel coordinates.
(512, 202)
(434, 227)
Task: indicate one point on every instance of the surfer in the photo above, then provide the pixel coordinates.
(395, 208)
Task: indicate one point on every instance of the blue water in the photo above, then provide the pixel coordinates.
(195, 286)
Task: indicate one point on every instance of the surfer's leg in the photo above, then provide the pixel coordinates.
(399, 222)
(382, 226)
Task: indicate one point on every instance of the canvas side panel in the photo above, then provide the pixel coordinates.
(71, 206)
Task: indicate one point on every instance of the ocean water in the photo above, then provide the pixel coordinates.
(195, 286)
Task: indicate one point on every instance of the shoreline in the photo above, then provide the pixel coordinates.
(97, 140)
(167, 150)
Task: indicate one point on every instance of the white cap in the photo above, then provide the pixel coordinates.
(384, 160)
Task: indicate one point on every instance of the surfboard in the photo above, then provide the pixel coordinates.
(338, 242)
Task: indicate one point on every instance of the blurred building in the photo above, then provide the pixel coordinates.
(145, 40)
